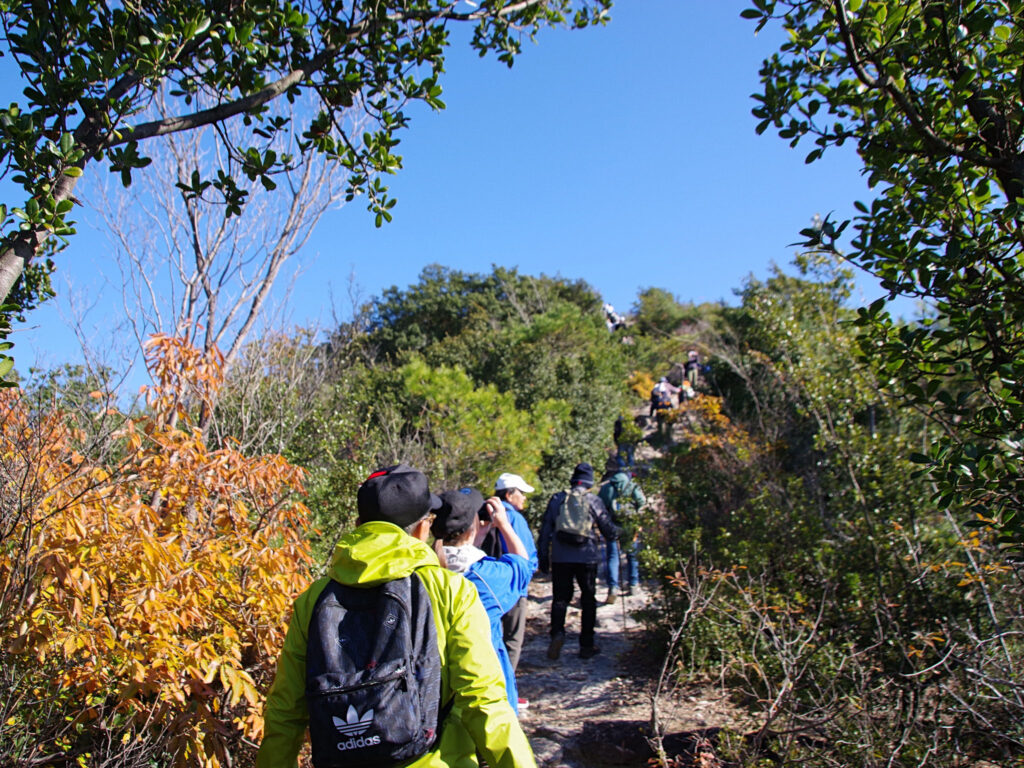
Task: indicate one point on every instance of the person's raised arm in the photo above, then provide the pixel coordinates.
(499, 519)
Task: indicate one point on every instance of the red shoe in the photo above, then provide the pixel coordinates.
(523, 703)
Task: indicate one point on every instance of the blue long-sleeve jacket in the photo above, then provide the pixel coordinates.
(499, 583)
(522, 529)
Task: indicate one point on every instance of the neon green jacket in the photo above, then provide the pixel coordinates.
(481, 718)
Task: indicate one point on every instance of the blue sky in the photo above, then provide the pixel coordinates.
(624, 155)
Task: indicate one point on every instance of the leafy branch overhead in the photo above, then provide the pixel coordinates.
(91, 70)
(929, 91)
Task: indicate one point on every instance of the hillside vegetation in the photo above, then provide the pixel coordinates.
(147, 564)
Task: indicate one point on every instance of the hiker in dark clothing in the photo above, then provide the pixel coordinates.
(574, 523)
(625, 448)
(691, 368)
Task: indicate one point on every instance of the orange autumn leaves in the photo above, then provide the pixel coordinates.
(161, 574)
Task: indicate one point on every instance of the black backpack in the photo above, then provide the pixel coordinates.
(373, 675)
(661, 399)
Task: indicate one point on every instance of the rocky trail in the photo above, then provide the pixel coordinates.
(597, 712)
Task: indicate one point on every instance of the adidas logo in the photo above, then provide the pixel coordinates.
(353, 724)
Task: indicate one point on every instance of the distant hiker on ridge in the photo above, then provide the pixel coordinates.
(691, 368)
(661, 404)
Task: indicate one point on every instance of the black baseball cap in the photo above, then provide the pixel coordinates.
(398, 494)
(458, 511)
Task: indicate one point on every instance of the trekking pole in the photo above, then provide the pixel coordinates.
(625, 629)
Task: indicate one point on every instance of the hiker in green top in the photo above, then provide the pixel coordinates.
(623, 499)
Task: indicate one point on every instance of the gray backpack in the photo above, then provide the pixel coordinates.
(373, 675)
(573, 523)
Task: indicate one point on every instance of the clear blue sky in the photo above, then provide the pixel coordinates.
(623, 155)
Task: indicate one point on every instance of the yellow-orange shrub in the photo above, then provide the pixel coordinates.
(641, 382)
(162, 578)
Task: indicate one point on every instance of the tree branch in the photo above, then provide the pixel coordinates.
(937, 144)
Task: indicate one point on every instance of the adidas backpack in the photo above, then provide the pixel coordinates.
(373, 675)
(573, 524)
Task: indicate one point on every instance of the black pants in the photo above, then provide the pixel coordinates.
(562, 576)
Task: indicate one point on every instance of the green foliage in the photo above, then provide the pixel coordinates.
(929, 92)
(92, 69)
(535, 339)
(663, 330)
(476, 433)
(73, 388)
(305, 400)
(464, 375)
(335, 447)
(809, 567)
(6, 361)
(658, 312)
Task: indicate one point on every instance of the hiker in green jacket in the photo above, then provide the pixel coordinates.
(395, 513)
(623, 499)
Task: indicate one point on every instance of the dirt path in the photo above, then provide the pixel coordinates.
(596, 712)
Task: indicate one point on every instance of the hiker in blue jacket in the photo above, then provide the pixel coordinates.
(460, 526)
(512, 490)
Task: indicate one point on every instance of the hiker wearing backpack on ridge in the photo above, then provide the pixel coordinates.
(691, 368)
(623, 498)
(388, 658)
(574, 523)
(661, 404)
(462, 522)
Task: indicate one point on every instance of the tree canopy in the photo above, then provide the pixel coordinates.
(91, 71)
(929, 91)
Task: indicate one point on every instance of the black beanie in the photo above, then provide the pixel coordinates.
(583, 475)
